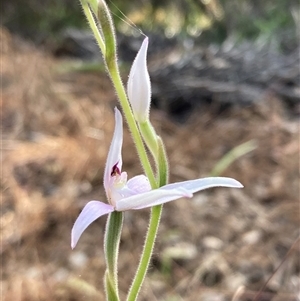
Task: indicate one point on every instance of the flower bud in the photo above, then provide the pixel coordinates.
(138, 86)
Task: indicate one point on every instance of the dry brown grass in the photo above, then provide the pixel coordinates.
(56, 133)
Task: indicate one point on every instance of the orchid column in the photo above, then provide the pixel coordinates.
(143, 191)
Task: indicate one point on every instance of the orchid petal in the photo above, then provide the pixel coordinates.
(151, 198)
(139, 86)
(136, 185)
(114, 157)
(91, 211)
(139, 184)
(193, 186)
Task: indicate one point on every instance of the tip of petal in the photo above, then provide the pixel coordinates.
(146, 40)
(236, 184)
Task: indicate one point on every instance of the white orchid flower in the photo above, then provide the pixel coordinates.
(136, 193)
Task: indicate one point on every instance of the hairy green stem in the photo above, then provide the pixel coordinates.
(110, 289)
(147, 253)
(94, 27)
(163, 174)
(111, 250)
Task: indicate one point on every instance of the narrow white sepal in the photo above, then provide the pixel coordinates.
(115, 151)
(91, 211)
(196, 185)
(151, 198)
(173, 192)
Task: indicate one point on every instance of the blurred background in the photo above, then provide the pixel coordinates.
(226, 101)
(213, 20)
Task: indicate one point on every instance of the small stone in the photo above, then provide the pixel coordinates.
(61, 275)
(212, 242)
(78, 259)
(181, 251)
(211, 296)
(252, 237)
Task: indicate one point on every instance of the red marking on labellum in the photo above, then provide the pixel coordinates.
(115, 170)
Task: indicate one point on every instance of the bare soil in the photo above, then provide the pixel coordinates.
(223, 244)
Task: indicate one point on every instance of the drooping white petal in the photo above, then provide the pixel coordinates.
(91, 211)
(193, 186)
(114, 155)
(151, 198)
(139, 86)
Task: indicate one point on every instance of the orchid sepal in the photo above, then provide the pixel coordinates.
(197, 185)
(151, 198)
(173, 192)
(114, 157)
(91, 211)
